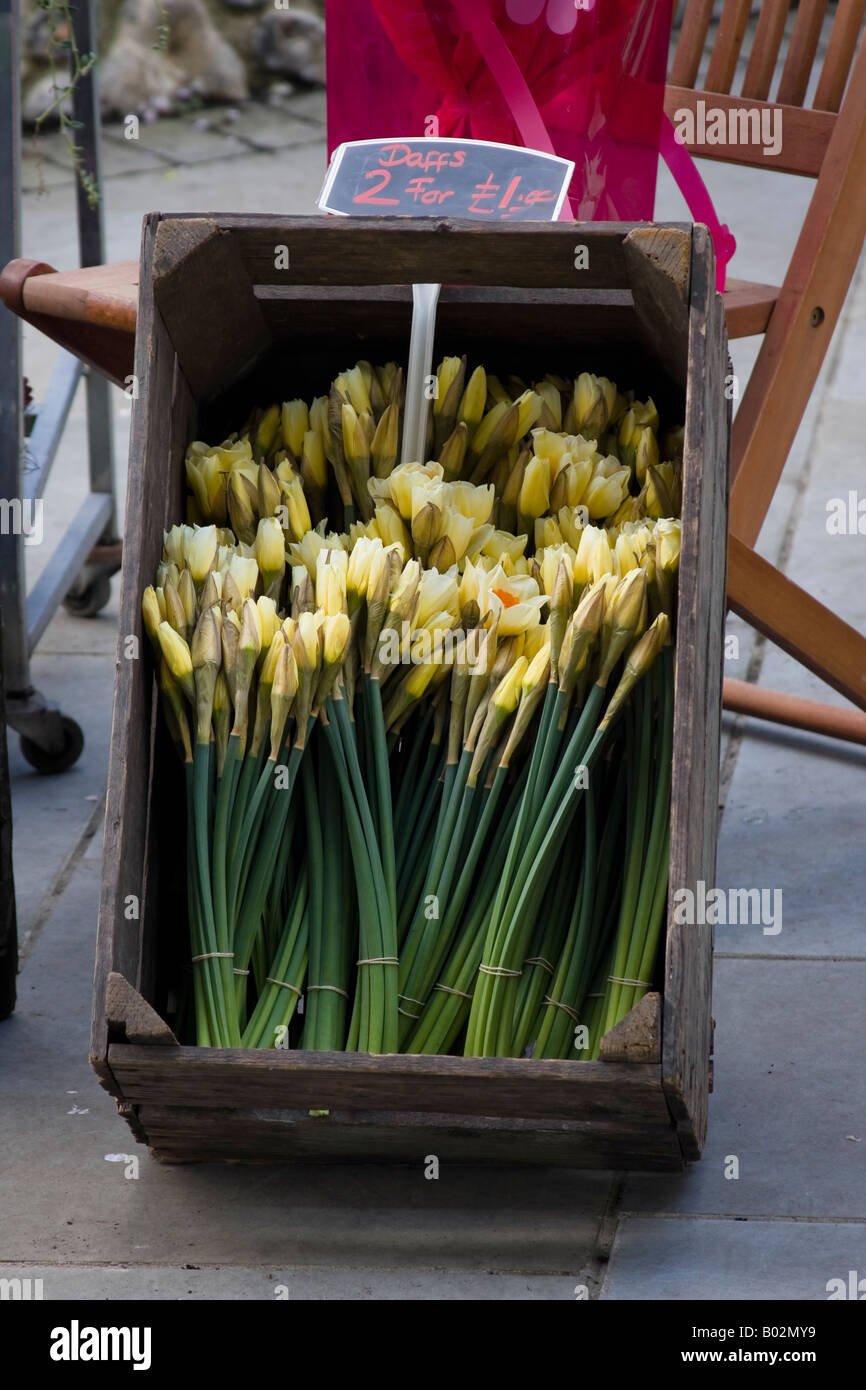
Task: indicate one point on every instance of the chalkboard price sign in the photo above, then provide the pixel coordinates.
(424, 177)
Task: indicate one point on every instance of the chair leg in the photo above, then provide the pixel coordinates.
(796, 622)
(739, 697)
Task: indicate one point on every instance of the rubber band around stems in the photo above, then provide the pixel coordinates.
(283, 984)
(500, 971)
(410, 1000)
(540, 960)
(335, 989)
(379, 960)
(621, 980)
(566, 1008)
(461, 993)
(215, 955)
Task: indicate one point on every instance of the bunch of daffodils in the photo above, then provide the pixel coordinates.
(427, 750)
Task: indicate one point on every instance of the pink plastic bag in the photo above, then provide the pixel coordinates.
(583, 79)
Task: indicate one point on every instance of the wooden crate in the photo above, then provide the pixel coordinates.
(220, 329)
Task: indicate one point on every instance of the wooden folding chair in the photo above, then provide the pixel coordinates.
(827, 141)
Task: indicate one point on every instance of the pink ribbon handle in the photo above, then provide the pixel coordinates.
(510, 80)
(696, 194)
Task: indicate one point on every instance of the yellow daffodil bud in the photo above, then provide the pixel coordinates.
(535, 491)
(646, 454)
(638, 663)
(356, 388)
(283, 692)
(173, 545)
(471, 408)
(594, 404)
(503, 543)
(244, 573)
(270, 621)
(174, 609)
(270, 549)
(294, 424)
(550, 416)
(336, 629)
(313, 464)
(240, 508)
(450, 370)
(150, 612)
(392, 531)
(436, 592)
(177, 658)
(668, 541)
(266, 433)
(331, 575)
(528, 410)
(604, 495)
(385, 443)
(506, 696)
(200, 551)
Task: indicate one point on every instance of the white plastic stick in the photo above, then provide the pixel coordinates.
(424, 301)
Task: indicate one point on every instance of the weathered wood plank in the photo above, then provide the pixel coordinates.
(205, 298)
(351, 251)
(658, 262)
(697, 702)
(127, 1011)
(350, 1136)
(518, 1088)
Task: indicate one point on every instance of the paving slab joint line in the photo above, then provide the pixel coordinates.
(594, 1272)
(60, 883)
(773, 1218)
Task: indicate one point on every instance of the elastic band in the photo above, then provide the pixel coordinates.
(566, 1008)
(379, 960)
(620, 980)
(600, 995)
(540, 960)
(333, 988)
(215, 955)
(410, 1000)
(406, 1013)
(240, 972)
(283, 984)
(500, 971)
(446, 989)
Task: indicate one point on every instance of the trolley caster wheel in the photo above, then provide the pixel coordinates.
(91, 600)
(52, 763)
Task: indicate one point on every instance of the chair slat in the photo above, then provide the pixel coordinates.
(726, 49)
(690, 48)
(765, 48)
(806, 133)
(801, 53)
(840, 55)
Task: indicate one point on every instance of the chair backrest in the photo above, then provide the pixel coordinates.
(786, 42)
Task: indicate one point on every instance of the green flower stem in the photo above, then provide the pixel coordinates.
(536, 980)
(220, 968)
(376, 727)
(420, 795)
(277, 1002)
(637, 847)
(506, 933)
(325, 1017)
(445, 1013)
(447, 827)
(653, 887)
(205, 1008)
(377, 997)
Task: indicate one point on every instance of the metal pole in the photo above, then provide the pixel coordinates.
(91, 244)
(12, 582)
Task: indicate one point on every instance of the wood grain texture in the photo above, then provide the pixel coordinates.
(690, 46)
(840, 55)
(159, 425)
(205, 299)
(686, 1030)
(106, 295)
(658, 262)
(132, 1016)
(638, 1036)
(748, 306)
(726, 49)
(602, 1092)
(796, 622)
(765, 48)
(805, 134)
(178, 1135)
(351, 251)
(801, 52)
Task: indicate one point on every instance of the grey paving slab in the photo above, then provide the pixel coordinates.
(679, 1260)
(149, 1283)
(181, 140)
(789, 1102)
(65, 1202)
